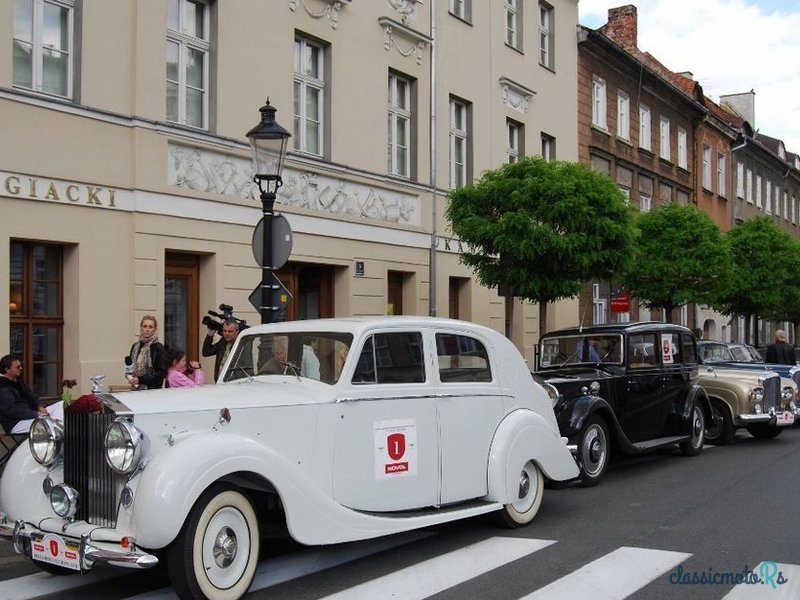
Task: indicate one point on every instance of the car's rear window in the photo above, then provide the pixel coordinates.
(462, 359)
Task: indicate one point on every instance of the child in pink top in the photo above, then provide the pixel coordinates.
(179, 374)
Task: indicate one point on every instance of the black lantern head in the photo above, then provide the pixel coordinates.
(268, 144)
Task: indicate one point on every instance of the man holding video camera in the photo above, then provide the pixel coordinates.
(221, 348)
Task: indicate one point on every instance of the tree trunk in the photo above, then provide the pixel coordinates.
(667, 313)
(746, 331)
(755, 331)
(510, 317)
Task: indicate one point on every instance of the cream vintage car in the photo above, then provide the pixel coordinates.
(337, 430)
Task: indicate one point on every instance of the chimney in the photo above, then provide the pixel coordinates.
(687, 74)
(743, 104)
(622, 26)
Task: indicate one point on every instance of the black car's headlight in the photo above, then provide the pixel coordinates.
(124, 446)
(552, 392)
(45, 439)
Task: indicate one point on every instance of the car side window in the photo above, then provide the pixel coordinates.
(391, 358)
(687, 344)
(462, 358)
(642, 350)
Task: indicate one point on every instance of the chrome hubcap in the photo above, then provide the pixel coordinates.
(524, 485)
(225, 547)
(594, 450)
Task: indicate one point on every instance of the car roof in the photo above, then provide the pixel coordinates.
(357, 324)
(638, 327)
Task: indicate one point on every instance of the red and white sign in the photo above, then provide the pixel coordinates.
(55, 550)
(666, 348)
(395, 448)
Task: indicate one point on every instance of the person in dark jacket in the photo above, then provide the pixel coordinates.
(148, 360)
(17, 401)
(780, 352)
(222, 347)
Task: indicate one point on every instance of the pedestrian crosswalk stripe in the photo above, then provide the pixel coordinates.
(437, 574)
(39, 584)
(298, 564)
(765, 591)
(614, 576)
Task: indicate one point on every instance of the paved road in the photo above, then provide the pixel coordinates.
(654, 521)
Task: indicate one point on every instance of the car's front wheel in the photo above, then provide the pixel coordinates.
(694, 445)
(763, 431)
(216, 553)
(720, 431)
(593, 451)
(529, 497)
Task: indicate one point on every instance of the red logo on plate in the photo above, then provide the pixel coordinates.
(396, 445)
(54, 547)
(396, 468)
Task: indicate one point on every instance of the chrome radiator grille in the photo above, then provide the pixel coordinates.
(86, 470)
(772, 391)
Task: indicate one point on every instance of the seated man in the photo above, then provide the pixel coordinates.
(276, 365)
(17, 401)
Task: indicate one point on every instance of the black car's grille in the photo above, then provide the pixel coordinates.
(772, 392)
(86, 470)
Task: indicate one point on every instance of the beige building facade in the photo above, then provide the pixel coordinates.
(126, 181)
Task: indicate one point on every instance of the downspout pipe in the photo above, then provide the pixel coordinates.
(432, 149)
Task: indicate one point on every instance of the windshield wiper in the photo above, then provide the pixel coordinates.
(244, 370)
(289, 365)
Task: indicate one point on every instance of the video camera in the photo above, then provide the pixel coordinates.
(225, 314)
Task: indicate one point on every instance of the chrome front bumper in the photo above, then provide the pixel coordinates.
(769, 418)
(90, 552)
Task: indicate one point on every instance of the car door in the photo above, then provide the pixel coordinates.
(675, 379)
(470, 408)
(386, 445)
(642, 404)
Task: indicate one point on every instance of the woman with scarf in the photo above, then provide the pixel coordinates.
(147, 357)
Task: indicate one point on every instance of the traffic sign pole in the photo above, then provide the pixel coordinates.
(267, 275)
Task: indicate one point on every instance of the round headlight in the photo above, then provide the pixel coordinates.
(64, 501)
(756, 394)
(757, 409)
(552, 392)
(124, 445)
(45, 439)
(788, 393)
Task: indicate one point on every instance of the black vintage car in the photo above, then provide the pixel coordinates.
(628, 385)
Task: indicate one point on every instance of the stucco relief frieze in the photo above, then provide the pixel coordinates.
(515, 95)
(213, 172)
(407, 9)
(330, 10)
(412, 43)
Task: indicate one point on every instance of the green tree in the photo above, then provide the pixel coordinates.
(541, 228)
(762, 256)
(681, 256)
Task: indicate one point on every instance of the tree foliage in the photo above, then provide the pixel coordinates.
(680, 256)
(543, 228)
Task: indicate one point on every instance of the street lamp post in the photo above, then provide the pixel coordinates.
(268, 144)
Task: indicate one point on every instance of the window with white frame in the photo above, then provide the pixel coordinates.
(768, 199)
(721, 187)
(664, 147)
(546, 36)
(740, 179)
(794, 209)
(514, 139)
(188, 50)
(707, 167)
(399, 126)
(749, 187)
(785, 212)
(461, 9)
(623, 116)
(645, 133)
(683, 156)
(548, 147)
(684, 315)
(513, 20)
(598, 305)
(43, 46)
(759, 192)
(309, 96)
(598, 102)
(645, 202)
(459, 138)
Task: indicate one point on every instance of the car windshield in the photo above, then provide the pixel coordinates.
(312, 355)
(586, 348)
(744, 353)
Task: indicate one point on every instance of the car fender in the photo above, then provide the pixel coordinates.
(21, 494)
(697, 395)
(170, 484)
(522, 436)
(574, 415)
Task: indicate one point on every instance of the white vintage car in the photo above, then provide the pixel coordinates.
(336, 430)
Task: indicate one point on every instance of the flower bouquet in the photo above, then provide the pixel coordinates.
(66, 391)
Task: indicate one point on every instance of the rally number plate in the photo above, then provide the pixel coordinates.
(785, 418)
(55, 550)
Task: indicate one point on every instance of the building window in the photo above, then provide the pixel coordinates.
(598, 305)
(461, 9)
(683, 153)
(36, 314)
(721, 187)
(645, 135)
(309, 96)
(548, 147)
(740, 180)
(188, 49)
(459, 138)
(546, 36)
(684, 315)
(749, 187)
(645, 202)
(707, 167)
(598, 102)
(623, 116)
(664, 148)
(513, 19)
(515, 136)
(767, 199)
(794, 209)
(399, 126)
(785, 212)
(43, 46)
